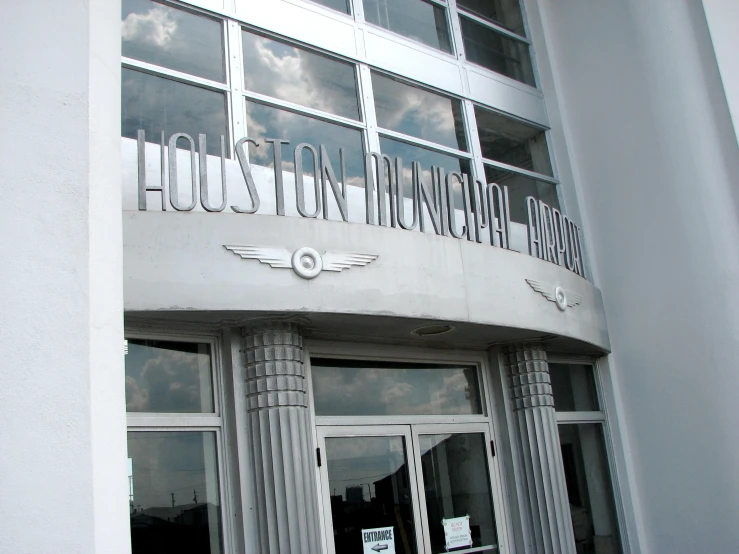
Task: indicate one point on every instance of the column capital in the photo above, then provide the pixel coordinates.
(275, 374)
(528, 375)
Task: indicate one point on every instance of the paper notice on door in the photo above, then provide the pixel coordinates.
(457, 532)
(378, 541)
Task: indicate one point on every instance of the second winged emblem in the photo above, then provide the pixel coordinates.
(305, 261)
(562, 298)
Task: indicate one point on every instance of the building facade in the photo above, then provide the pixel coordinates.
(369, 276)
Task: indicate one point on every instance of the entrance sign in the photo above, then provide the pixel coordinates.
(457, 532)
(397, 193)
(378, 541)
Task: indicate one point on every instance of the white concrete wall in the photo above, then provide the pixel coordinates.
(63, 462)
(656, 166)
(723, 22)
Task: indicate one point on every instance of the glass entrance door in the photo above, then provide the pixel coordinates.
(432, 484)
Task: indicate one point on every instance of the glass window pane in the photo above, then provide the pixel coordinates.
(356, 387)
(573, 386)
(169, 377)
(156, 104)
(173, 487)
(519, 187)
(427, 158)
(415, 19)
(284, 71)
(267, 122)
(457, 484)
(589, 489)
(180, 40)
(506, 13)
(497, 52)
(370, 488)
(338, 5)
(418, 113)
(509, 141)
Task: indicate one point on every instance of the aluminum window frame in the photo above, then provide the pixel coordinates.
(358, 10)
(193, 80)
(215, 422)
(249, 96)
(461, 11)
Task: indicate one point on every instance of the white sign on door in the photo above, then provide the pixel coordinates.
(378, 541)
(457, 532)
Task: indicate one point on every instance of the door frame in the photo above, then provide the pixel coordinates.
(368, 431)
(493, 404)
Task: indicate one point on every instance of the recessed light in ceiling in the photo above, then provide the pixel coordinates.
(428, 330)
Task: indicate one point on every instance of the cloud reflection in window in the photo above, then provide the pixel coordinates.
(294, 74)
(419, 113)
(346, 387)
(168, 377)
(172, 38)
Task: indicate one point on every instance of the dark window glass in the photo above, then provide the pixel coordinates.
(418, 112)
(520, 187)
(492, 50)
(589, 489)
(370, 489)
(338, 5)
(506, 13)
(573, 386)
(173, 38)
(171, 377)
(415, 19)
(173, 493)
(350, 387)
(509, 141)
(268, 122)
(456, 482)
(290, 73)
(156, 104)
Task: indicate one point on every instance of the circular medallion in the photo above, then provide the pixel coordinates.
(560, 297)
(306, 262)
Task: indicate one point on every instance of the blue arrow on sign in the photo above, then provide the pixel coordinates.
(379, 547)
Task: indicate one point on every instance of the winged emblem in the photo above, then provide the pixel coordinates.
(305, 261)
(563, 298)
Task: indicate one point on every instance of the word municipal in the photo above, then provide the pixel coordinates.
(552, 236)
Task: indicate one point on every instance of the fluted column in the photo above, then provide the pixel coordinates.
(543, 494)
(280, 440)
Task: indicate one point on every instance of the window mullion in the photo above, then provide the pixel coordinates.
(368, 103)
(457, 38)
(161, 71)
(473, 140)
(236, 76)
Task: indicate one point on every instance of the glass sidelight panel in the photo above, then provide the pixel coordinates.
(589, 489)
(370, 487)
(456, 483)
(173, 487)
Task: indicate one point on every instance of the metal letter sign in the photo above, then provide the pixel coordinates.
(378, 541)
(453, 205)
(457, 532)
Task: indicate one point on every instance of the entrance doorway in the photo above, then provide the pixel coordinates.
(407, 463)
(411, 478)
